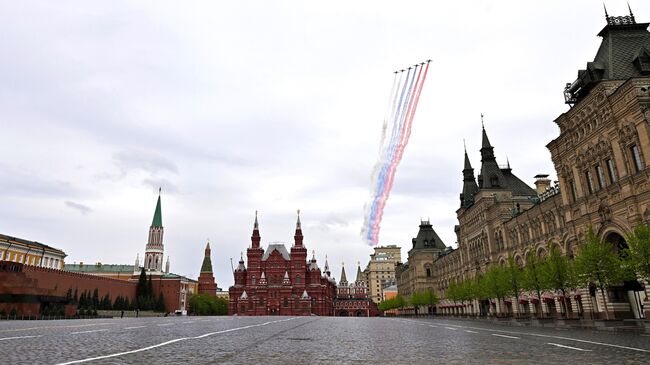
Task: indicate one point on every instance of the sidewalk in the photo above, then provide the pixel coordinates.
(641, 326)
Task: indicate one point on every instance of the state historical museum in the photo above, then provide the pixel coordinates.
(281, 282)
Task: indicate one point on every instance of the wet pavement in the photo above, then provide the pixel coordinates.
(309, 340)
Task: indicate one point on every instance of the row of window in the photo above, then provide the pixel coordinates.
(595, 177)
(31, 260)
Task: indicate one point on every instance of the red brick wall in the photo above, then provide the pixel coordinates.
(171, 292)
(30, 280)
(60, 281)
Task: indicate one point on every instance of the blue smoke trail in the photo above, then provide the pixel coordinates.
(398, 121)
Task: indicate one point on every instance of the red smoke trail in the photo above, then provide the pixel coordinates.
(392, 165)
(405, 135)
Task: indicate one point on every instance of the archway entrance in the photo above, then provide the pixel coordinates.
(631, 291)
(359, 313)
(343, 313)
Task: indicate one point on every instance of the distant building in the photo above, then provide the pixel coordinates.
(207, 284)
(30, 253)
(352, 299)
(175, 288)
(417, 275)
(390, 292)
(281, 282)
(381, 269)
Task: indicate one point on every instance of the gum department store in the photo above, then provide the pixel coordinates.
(601, 157)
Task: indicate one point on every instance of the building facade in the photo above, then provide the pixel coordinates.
(352, 299)
(30, 253)
(601, 158)
(417, 274)
(380, 271)
(281, 282)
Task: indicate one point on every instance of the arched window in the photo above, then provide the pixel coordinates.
(254, 280)
(298, 279)
(428, 272)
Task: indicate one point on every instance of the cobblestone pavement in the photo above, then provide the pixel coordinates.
(308, 340)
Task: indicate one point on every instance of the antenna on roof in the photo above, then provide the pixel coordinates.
(482, 125)
(605, 7)
(232, 267)
(630, 9)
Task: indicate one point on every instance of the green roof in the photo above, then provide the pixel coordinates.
(207, 264)
(157, 216)
(99, 268)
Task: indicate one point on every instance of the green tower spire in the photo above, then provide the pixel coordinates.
(157, 216)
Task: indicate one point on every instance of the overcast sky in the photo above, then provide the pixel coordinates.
(238, 106)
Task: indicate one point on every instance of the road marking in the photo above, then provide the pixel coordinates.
(188, 322)
(505, 336)
(165, 324)
(560, 338)
(451, 328)
(566, 347)
(172, 341)
(468, 331)
(18, 337)
(49, 327)
(431, 325)
(75, 333)
(130, 328)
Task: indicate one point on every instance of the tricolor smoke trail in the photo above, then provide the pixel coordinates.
(402, 103)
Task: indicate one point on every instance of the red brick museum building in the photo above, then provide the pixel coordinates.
(281, 282)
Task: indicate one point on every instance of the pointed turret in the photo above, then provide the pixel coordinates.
(207, 284)
(154, 251)
(207, 261)
(263, 279)
(470, 188)
(157, 215)
(326, 269)
(241, 266)
(298, 236)
(136, 267)
(344, 279)
(491, 176)
(255, 238)
(360, 277)
(285, 280)
(167, 266)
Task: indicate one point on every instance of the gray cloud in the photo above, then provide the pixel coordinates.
(144, 160)
(167, 186)
(81, 208)
(230, 105)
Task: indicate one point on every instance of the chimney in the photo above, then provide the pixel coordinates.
(542, 182)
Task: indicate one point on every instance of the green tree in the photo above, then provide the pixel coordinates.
(533, 277)
(160, 303)
(207, 305)
(638, 253)
(106, 302)
(141, 287)
(558, 273)
(495, 283)
(95, 299)
(514, 274)
(599, 263)
(416, 300)
(430, 299)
